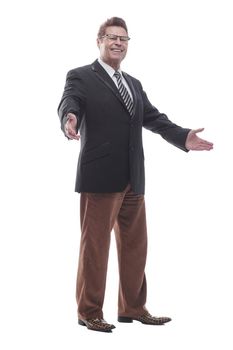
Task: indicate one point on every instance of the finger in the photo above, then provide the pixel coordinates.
(77, 137)
(72, 135)
(206, 143)
(203, 147)
(71, 131)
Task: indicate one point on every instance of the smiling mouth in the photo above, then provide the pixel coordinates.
(117, 50)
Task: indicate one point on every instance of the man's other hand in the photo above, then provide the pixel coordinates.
(195, 143)
(70, 127)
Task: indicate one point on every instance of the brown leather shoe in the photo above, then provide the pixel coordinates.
(145, 319)
(97, 324)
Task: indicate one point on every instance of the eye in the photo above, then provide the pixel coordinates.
(112, 36)
(124, 38)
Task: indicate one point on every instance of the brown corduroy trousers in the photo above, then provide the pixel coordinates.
(99, 214)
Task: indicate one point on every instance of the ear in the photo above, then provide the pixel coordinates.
(98, 42)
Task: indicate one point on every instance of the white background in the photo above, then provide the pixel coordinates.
(181, 52)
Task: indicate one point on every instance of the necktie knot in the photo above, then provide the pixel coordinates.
(117, 75)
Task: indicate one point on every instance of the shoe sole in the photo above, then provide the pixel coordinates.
(125, 319)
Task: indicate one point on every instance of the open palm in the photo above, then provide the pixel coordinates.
(195, 143)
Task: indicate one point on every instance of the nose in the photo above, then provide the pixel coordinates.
(118, 41)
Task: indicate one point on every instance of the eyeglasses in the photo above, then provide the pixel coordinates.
(115, 37)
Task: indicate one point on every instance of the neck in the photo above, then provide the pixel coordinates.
(114, 65)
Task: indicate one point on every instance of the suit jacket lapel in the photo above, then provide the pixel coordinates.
(105, 78)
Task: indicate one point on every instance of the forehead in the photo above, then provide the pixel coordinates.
(115, 30)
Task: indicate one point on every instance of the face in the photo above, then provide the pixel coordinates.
(113, 52)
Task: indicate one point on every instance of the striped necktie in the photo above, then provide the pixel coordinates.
(124, 93)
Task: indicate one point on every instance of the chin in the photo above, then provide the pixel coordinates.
(117, 59)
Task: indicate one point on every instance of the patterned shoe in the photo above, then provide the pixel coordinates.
(145, 319)
(97, 324)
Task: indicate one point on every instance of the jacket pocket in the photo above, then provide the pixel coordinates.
(96, 153)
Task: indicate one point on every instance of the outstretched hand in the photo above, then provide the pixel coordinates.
(70, 127)
(195, 143)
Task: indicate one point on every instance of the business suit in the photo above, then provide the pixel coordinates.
(111, 140)
(110, 177)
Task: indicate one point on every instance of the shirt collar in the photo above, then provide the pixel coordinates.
(108, 68)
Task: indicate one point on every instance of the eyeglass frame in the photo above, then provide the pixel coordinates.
(114, 37)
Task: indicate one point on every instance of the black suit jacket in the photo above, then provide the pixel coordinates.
(111, 153)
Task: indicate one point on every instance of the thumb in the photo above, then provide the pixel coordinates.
(198, 130)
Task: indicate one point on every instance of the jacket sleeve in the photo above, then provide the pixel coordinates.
(159, 123)
(73, 98)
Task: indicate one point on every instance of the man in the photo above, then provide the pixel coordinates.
(109, 107)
